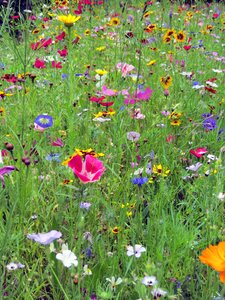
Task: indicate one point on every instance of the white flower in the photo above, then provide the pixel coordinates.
(139, 171)
(114, 282)
(195, 167)
(101, 119)
(157, 293)
(217, 70)
(68, 258)
(221, 196)
(149, 280)
(136, 250)
(12, 266)
(87, 271)
(212, 84)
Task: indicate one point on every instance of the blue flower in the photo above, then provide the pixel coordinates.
(139, 180)
(53, 157)
(43, 121)
(209, 123)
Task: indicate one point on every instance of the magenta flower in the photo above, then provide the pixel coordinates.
(39, 64)
(139, 96)
(5, 170)
(199, 152)
(45, 238)
(89, 170)
(57, 143)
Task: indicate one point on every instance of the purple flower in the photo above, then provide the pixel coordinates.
(5, 170)
(133, 136)
(45, 238)
(209, 123)
(85, 205)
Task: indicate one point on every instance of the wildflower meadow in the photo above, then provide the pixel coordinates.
(112, 150)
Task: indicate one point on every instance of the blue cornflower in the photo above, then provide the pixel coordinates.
(139, 180)
(209, 123)
(43, 121)
(53, 157)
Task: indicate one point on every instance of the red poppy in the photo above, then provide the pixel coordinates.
(99, 100)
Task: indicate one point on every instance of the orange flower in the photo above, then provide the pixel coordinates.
(214, 256)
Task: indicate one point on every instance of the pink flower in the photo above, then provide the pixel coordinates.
(199, 152)
(56, 65)
(39, 64)
(63, 52)
(108, 92)
(5, 170)
(57, 143)
(140, 95)
(125, 68)
(60, 37)
(89, 170)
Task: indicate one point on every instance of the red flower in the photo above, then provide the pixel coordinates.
(99, 100)
(215, 16)
(89, 170)
(199, 152)
(39, 64)
(57, 65)
(211, 90)
(10, 78)
(41, 44)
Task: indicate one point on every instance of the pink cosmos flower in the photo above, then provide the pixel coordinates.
(140, 95)
(125, 68)
(199, 152)
(89, 170)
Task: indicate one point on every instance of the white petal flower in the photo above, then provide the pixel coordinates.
(114, 282)
(136, 250)
(149, 280)
(68, 258)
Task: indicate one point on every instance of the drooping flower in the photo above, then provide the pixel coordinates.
(135, 250)
(57, 143)
(214, 256)
(88, 170)
(67, 257)
(68, 20)
(5, 170)
(45, 238)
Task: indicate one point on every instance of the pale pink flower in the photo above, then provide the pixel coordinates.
(125, 68)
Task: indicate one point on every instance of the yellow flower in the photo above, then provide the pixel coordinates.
(166, 81)
(101, 72)
(114, 22)
(102, 48)
(104, 113)
(180, 36)
(160, 171)
(2, 111)
(152, 62)
(175, 122)
(68, 20)
(87, 32)
(167, 39)
(115, 230)
(80, 152)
